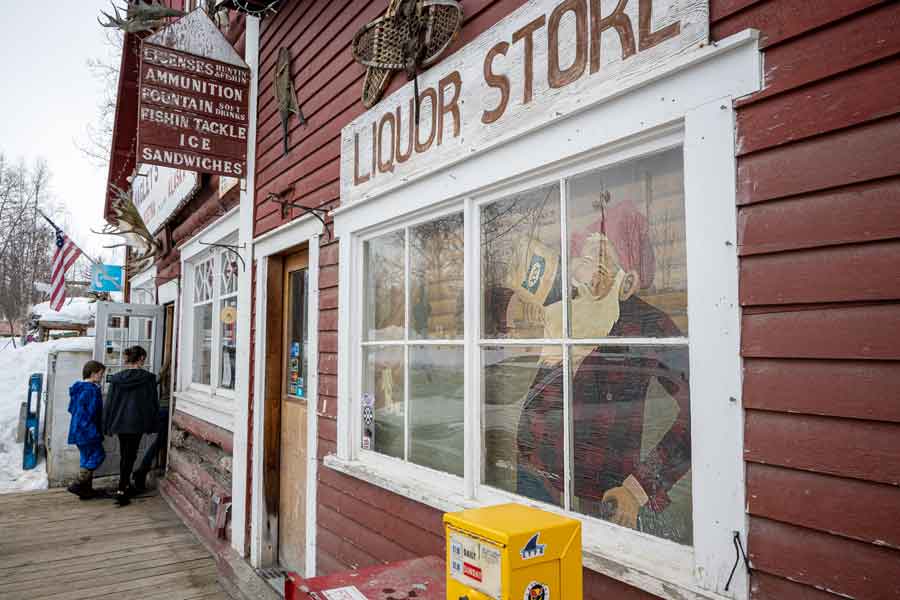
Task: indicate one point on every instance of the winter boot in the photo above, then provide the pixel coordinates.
(83, 487)
(140, 481)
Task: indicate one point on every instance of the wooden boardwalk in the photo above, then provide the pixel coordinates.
(53, 545)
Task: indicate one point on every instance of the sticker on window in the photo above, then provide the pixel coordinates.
(368, 421)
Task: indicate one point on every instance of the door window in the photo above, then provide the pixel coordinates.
(297, 342)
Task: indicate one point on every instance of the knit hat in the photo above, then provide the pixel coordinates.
(629, 232)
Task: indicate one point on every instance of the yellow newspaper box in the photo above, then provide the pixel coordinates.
(512, 552)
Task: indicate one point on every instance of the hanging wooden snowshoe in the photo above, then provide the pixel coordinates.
(411, 35)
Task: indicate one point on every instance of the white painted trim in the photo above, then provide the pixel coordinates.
(257, 502)
(214, 233)
(168, 292)
(305, 229)
(211, 408)
(245, 282)
(207, 402)
(718, 481)
(144, 277)
(690, 104)
(285, 236)
(312, 403)
(347, 431)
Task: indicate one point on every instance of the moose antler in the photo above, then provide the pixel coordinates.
(125, 221)
(142, 16)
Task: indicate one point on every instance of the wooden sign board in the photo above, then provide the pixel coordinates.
(158, 192)
(193, 100)
(547, 60)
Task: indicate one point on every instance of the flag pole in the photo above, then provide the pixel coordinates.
(57, 228)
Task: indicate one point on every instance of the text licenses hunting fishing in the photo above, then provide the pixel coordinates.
(192, 113)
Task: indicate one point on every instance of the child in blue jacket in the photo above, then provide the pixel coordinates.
(86, 427)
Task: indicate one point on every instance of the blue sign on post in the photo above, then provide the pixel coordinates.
(106, 278)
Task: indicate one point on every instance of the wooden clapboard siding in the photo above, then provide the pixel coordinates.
(850, 448)
(823, 331)
(844, 215)
(847, 273)
(855, 389)
(818, 228)
(819, 220)
(358, 524)
(843, 567)
(841, 506)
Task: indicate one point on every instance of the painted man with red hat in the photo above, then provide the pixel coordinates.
(611, 260)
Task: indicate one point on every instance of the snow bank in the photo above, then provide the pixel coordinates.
(16, 366)
(76, 310)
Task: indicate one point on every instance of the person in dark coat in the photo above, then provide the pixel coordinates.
(86, 426)
(131, 411)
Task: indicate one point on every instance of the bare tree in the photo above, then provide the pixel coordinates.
(26, 240)
(105, 69)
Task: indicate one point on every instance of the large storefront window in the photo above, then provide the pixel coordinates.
(214, 320)
(584, 395)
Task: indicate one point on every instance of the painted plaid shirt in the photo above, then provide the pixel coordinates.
(609, 393)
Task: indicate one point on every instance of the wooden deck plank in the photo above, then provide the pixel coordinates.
(82, 564)
(56, 546)
(101, 576)
(175, 590)
(129, 589)
(43, 558)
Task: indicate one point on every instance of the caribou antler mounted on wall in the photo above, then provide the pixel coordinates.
(125, 221)
(141, 16)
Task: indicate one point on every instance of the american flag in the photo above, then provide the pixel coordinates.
(66, 255)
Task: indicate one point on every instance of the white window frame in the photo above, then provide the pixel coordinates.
(210, 403)
(689, 105)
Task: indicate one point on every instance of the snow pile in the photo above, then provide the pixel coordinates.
(16, 366)
(80, 311)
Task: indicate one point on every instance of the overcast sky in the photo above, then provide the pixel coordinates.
(49, 97)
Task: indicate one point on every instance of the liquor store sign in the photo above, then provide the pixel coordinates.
(192, 112)
(545, 61)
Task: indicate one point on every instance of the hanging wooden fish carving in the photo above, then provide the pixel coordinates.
(411, 35)
(285, 94)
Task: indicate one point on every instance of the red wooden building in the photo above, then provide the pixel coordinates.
(816, 222)
(640, 250)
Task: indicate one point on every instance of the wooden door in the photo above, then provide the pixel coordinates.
(294, 369)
